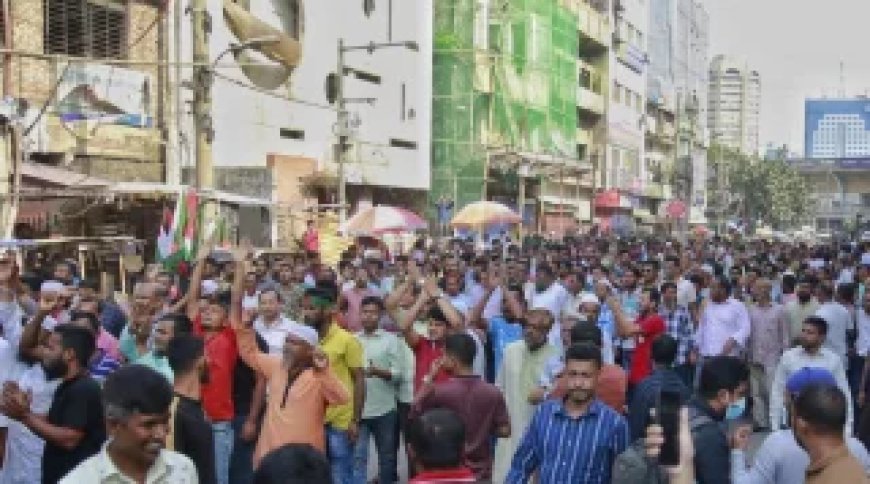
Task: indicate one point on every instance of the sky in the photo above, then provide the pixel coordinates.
(797, 47)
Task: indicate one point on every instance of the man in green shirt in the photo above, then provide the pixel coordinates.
(167, 327)
(382, 366)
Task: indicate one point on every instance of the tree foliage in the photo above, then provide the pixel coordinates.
(764, 191)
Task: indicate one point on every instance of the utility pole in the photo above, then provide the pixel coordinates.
(202, 80)
(341, 133)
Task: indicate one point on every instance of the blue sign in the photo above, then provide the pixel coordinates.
(633, 57)
(837, 128)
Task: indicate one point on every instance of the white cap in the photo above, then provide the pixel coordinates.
(51, 286)
(707, 268)
(865, 259)
(589, 298)
(303, 332)
(208, 287)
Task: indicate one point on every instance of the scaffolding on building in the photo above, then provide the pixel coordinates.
(504, 93)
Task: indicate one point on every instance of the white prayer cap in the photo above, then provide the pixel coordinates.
(51, 286)
(865, 259)
(707, 268)
(303, 332)
(208, 287)
(589, 298)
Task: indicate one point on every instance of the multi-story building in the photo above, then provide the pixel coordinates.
(517, 115)
(625, 171)
(837, 128)
(840, 190)
(83, 111)
(734, 105)
(274, 104)
(677, 93)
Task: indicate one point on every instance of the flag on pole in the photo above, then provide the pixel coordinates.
(176, 241)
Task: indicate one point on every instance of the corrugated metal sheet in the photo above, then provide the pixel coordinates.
(61, 176)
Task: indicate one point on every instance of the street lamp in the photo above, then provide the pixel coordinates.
(251, 43)
(342, 128)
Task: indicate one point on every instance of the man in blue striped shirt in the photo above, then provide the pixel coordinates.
(576, 439)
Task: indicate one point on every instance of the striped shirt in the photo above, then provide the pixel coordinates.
(102, 367)
(564, 449)
(678, 324)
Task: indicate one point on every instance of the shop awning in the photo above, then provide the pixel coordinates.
(607, 199)
(148, 188)
(54, 175)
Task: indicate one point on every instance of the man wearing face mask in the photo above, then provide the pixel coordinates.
(799, 310)
(811, 353)
(721, 395)
(189, 432)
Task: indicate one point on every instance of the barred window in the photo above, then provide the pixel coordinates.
(86, 28)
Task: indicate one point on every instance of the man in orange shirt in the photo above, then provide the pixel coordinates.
(300, 383)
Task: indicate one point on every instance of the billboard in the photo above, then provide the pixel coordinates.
(837, 128)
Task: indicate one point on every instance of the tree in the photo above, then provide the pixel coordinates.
(769, 191)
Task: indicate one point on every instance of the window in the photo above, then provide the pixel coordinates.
(403, 114)
(405, 144)
(368, 7)
(617, 92)
(86, 28)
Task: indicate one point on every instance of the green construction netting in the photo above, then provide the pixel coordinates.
(516, 90)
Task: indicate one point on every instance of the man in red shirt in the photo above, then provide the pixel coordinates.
(443, 319)
(644, 329)
(481, 405)
(217, 394)
(436, 442)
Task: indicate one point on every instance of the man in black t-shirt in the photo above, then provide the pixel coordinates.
(249, 401)
(190, 433)
(75, 428)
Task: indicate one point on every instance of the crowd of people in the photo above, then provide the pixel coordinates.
(540, 361)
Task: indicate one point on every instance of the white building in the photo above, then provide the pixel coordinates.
(294, 124)
(735, 98)
(625, 126)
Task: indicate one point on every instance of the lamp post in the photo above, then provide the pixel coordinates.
(342, 128)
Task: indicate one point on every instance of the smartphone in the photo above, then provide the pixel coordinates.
(668, 416)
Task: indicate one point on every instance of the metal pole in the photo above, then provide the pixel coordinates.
(342, 134)
(202, 104)
(522, 205)
(175, 173)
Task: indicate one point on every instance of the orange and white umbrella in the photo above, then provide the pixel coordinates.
(380, 219)
(485, 213)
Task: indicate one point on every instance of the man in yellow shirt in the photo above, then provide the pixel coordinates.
(346, 360)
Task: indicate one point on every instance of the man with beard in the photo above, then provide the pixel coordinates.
(780, 460)
(189, 431)
(805, 306)
(101, 364)
(74, 429)
(137, 403)
(811, 354)
(817, 423)
(576, 439)
(346, 360)
(300, 384)
(518, 379)
(551, 295)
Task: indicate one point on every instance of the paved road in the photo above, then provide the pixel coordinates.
(754, 443)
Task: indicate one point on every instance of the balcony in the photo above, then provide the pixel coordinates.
(585, 137)
(589, 88)
(594, 29)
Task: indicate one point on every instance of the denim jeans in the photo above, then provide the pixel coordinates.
(223, 449)
(383, 429)
(242, 460)
(340, 453)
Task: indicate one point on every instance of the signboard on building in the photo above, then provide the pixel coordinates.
(837, 128)
(106, 94)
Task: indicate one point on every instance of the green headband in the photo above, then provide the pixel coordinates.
(320, 302)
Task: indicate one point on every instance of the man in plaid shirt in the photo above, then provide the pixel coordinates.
(678, 324)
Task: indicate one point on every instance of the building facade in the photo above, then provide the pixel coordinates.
(511, 88)
(837, 128)
(677, 91)
(625, 168)
(734, 105)
(840, 190)
(274, 104)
